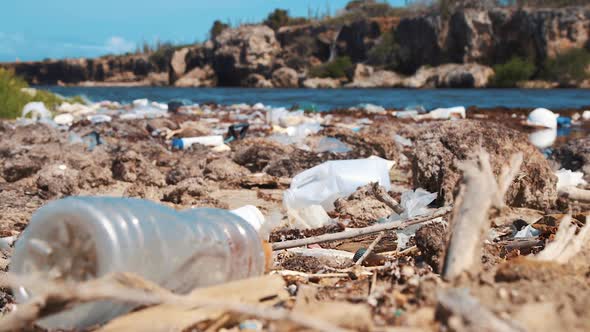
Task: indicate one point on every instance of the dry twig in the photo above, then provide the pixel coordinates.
(470, 222)
(348, 234)
(370, 249)
(475, 316)
(576, 194)
(384, 197)
(566, 244)
(56, 296)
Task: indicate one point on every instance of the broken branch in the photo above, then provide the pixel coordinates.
(576, 194)
(470, 222)
(348, 234)
(384, 197)
(370, 249)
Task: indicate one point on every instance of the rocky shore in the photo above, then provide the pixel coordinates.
(128, 150)
(429, 51)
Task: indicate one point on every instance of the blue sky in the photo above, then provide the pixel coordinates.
(38, 29)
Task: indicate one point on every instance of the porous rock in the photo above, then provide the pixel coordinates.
(439, 146)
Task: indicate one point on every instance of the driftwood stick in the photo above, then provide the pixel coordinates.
(348, 234)
(370, 249)
(470, 222)
(576, 194)
(475, 316)
(567, 243)
(522, 244)
(384, 197)
(505, 179)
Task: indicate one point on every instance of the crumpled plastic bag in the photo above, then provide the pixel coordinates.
(528, 231)
(331, 144)
(414, 203)
(37, 110)
(567, 178)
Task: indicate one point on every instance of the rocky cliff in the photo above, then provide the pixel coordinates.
(429, 51)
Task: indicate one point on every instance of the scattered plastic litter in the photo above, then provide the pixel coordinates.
(140, 102)
(416, 108)
(447, 113)
(99, 118)
(237, 132)
(185, 142)
(331, 144)
(251, 214)
(251, 325)
(543, 138)
(402, 140)
(64, 119)
(6, 242)
(309, 217)
(527, 231)
(542, 117)
(136, 236)
(567, 178)
(292, 119)
(373, 109)
(37, 110)
(414, 203)
(564, 121)
(143, 109)
(406, 114)
(323, 184)
(92, 140)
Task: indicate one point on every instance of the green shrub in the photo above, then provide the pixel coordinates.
(13, 98)
(162, 56)
(336, 68)
(569, 66)
(384, 53)
(511, 72)
(277, 19)
(217, 28)
(280, 18)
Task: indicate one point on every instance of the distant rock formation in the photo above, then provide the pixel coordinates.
(430, 51)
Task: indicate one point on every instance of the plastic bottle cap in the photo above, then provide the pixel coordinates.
(177, 143)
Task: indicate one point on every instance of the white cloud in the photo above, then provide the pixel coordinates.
(118, 44)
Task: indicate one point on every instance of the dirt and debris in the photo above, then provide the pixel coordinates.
(395, 287)
(431, 240)
(361, 208)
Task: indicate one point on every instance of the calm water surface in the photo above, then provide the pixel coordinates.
(325, 99)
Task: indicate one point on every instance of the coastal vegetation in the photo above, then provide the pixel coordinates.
(384, 54)
(336, 68)
(570, 66)
(508, 74)
(15, 94)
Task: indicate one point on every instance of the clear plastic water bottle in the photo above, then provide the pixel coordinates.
(81, 238)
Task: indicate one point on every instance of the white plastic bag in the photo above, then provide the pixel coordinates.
(447, 113)
(414, 203)
(331, 144)
(543, 138)
(37, 110)
(567, 178)
(323, 184)
(542, 117)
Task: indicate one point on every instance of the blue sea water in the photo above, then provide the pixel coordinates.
(326, 99)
